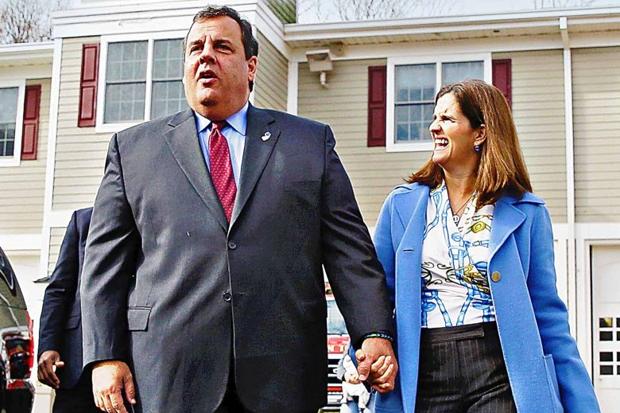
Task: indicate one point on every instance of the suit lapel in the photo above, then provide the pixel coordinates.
(506, 219)
(183, 143)
(261, 136)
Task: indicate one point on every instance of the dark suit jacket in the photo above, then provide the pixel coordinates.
(174, 290)
(61, 328)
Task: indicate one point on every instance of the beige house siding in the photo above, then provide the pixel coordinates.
(343, 105)
(272, 77)
(596, 107)
(80, 152)
(538, 106)
(56, 236)
(538, 109)
(23, 186)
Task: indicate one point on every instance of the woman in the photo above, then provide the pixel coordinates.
(468, 255)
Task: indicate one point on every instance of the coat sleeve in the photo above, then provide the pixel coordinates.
(576, 389)
(109, 264)
(348, 253)
(60, 292)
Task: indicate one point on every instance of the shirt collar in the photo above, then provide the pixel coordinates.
(238, 121)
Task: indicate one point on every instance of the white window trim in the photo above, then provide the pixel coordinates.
(15, 160)
(150, 38)
(392, 62)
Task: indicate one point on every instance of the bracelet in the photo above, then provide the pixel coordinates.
(384, 336)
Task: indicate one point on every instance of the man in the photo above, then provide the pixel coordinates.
(60, 330)
(204, 264)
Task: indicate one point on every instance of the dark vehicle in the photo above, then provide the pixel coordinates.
(16, 344)
(337, 342)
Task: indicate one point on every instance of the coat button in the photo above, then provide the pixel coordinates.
(227, 296)
(232, 245)
(496, 276)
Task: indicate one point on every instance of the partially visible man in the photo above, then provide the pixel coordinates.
(60, 330)
(203, 272)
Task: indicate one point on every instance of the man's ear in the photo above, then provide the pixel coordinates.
(252, 67)
(481, 135)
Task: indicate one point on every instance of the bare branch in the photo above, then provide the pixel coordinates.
(26, 20)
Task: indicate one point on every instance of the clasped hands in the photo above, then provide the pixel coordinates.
(376, 364)
(113, 381)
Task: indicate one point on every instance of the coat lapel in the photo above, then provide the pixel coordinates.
(261, 136)
(183, 143)
(507, 218)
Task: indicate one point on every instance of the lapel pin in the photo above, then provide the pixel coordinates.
(266, 136)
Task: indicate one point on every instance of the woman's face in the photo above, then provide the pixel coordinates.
(454, 138)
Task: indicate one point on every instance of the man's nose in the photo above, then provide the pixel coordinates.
(207, 55)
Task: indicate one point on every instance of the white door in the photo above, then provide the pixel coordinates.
(606, 325)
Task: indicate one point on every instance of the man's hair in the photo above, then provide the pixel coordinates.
(501, 168)
(250, 45)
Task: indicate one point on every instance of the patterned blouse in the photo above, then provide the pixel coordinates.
(455, 287)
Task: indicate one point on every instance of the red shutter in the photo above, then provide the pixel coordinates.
(377, 85)
(88, 85)
(30, 130)
(502, 77)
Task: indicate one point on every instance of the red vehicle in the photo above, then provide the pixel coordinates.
(16, 344)
(337, 342)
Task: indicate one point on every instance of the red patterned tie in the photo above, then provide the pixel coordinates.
(221, 168)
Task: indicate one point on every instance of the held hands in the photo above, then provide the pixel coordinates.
(48, 363)
(376, 363)
(109, 379)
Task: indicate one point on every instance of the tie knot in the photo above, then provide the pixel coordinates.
(218, 125)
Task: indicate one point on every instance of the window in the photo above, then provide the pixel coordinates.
(11, 119)
(412, 85)
(125, 82)
(8, 120)
(168, 94)
(142, 80)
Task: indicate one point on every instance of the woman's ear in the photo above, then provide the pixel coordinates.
(481, 135)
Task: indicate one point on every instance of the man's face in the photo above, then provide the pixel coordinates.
(216, 72)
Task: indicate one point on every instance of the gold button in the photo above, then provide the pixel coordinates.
(496, 276)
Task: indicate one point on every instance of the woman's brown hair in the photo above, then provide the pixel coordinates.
(501, 168)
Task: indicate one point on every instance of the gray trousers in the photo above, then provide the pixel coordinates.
(462, 370)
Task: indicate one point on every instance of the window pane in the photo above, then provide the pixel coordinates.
(605, 322)
(168, 59)
(455, 72)
(124, 102)
(8, 119)
(605, 336)
(402, 123)
(126, 61)
(8, 104)
(168, 98)
(606, 356)
(415, 83)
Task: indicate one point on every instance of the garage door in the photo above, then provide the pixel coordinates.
(606, 325)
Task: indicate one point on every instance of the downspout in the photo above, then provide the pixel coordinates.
(570, 179)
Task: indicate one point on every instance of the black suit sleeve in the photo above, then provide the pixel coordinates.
(349, 256)
(109, 264)
(60, 292)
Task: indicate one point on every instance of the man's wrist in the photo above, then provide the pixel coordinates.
(377, 334)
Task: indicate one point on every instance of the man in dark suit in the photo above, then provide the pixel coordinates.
(203, 272)
(60, 330)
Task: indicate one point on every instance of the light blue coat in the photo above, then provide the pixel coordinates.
(545, 371)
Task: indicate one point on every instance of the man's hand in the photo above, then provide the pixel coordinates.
(377, 364)
(48, 363)
(109, 379)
